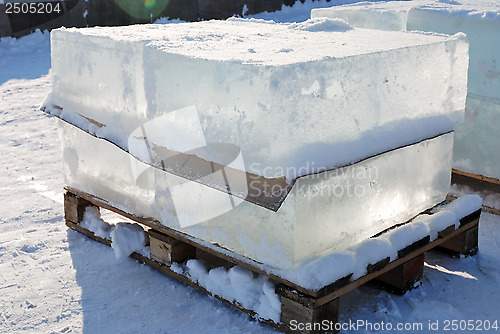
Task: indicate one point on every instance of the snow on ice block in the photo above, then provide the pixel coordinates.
(292, 152)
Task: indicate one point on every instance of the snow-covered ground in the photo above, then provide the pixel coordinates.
(54, 280)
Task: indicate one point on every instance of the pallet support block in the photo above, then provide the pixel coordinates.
(303, 313)
(403, 278)
(74, 207)
(466, 243)
(166, 250)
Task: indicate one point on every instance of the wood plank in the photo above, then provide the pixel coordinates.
(446, 231)
(306, 314)
(74, 207)
(378, 266)
(414, 247)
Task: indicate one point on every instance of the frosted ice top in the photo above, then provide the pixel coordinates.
(294, 99)
(259, 42)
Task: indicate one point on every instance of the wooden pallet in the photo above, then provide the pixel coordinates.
(297, 303)
(478, 183)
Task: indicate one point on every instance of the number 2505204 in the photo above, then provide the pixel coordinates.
(32, 7)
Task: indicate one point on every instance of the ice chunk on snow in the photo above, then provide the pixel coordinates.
(127, 238)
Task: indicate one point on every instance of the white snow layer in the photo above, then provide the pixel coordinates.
(92, 221)
(257, 85)
(126, 238)
(53, 280)
(315, 274)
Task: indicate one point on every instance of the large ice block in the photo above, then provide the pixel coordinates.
(280, 142)
(476, 147)
(257, 85)
(477, 140)
(324, 212)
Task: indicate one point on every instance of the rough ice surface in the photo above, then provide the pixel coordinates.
(477, 140)
(328, 211)
(255, 84)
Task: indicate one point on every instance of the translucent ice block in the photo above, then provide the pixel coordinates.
(258, 86)
(390, 15)
(328, 211)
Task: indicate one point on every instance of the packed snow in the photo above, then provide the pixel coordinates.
(54, 280)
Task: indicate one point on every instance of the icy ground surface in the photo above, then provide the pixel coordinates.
(53, 280)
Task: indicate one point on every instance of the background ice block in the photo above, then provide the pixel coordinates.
(477, 140)
(476, 147)
(293, 97)
(324, 212)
